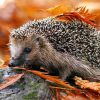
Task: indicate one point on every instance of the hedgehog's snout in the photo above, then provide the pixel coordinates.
(12, 63)
(15, 62)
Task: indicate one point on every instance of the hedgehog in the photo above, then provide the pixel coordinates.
(65, 48)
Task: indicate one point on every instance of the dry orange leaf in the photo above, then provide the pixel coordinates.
(85, 84)
(78, 97)
(3, 66)
(10, 80)
(85, 12)
(64, 94)
(59, 9)
(75, 15)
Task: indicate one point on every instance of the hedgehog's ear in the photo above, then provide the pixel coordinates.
(40, 41)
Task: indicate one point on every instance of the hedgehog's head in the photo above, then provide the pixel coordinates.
(24, 47)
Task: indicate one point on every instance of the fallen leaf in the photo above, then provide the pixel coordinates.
(10, 80)
(3, 66)
(85, 12)
(85, 84)
(75, 15)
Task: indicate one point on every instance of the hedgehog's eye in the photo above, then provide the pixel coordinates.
(27, 50)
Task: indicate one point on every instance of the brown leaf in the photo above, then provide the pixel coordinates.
(10, 80)
(3, 66)
(85, 13)
(75, 97)
(75, 15)
(58, 97)
(85, 84)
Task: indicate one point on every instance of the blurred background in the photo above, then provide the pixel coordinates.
(14, 13)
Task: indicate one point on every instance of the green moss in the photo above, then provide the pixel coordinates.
(34, 94)
(31, 96)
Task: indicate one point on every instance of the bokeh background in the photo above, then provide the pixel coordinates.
(14, 13)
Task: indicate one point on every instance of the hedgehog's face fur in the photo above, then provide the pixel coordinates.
(24, 51)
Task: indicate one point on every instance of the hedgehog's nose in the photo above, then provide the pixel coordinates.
(11, 64)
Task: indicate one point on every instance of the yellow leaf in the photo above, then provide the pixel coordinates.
(1, 62)
(59, 9)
